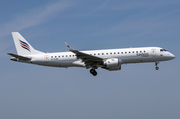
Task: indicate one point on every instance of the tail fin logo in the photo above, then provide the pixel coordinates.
(25, 45)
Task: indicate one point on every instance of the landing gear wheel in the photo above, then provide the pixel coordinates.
(157, 68)
(156, 63)
(93, 72)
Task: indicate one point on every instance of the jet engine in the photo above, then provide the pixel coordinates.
(113, 64)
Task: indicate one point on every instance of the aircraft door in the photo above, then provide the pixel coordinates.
(153, 52)
(46, 58)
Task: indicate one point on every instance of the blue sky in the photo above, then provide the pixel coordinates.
(138, 91)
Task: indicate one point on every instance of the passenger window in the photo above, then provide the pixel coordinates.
(140, 51)
(118, 52)
(106, 53)
(98, 53)
(136, 51)
(133, 52)
(63, 56)
(121, 52)
(69, 55)
(110, 53)
(94, 54)
(114, 53)
(129, 52)
(51, 56)
(144, 51)
(125, 52)
(102, 53)
(59, 56)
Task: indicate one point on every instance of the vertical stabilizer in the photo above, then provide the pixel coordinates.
(22, 46)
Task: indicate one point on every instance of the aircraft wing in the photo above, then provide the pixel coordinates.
(89, 60)
(19, 57)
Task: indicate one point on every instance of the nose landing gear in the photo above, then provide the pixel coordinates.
(156, 63)
(93, 72)
(157, 68)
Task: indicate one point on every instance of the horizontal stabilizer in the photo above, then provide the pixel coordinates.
(19, 57)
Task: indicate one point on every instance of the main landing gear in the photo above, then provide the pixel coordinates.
(93, 72)
(156, 63)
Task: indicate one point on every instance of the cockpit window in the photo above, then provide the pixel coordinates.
(162, 50)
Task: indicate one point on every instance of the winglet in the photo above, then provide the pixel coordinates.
(69, 47)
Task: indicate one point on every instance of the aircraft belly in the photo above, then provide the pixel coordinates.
(78, 63)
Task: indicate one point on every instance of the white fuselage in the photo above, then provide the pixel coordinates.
(127, 55)
(110, 59)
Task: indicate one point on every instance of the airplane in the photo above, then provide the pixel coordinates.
(109, 59)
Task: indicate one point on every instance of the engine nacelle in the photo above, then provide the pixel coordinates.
(113, 64)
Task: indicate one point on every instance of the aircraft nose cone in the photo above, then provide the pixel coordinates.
(172, 56)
